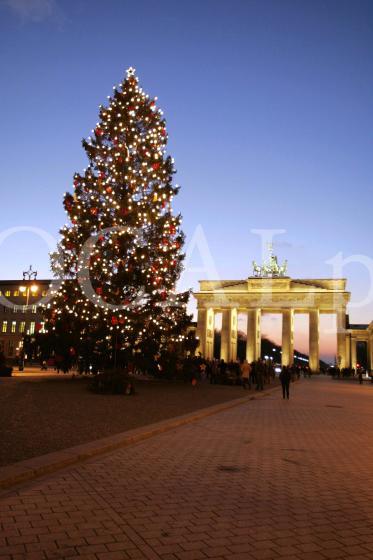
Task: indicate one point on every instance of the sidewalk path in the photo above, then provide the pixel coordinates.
(266, 480)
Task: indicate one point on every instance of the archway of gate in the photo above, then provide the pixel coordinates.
(271, 338)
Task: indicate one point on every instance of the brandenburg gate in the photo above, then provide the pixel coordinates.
(269, 290)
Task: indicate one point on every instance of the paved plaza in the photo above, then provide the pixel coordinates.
(265, 480)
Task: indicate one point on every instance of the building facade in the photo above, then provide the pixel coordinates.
(360, 334)
(19, 313)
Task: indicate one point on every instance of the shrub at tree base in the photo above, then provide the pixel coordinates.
(113, 382)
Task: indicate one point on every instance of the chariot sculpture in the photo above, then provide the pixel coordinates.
(270, 268)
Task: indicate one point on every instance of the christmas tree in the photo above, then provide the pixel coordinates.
(120, 257)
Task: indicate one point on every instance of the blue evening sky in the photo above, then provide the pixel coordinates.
(269, 111)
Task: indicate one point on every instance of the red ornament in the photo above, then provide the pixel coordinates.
(156, 166)
(101, 175)
(99, 131)
(163, 132)
(120, 159)
(172, 230)
(109, 190)
(163, 295)
(99, 291)
(114, 320)
(76, 183)
(94, 211)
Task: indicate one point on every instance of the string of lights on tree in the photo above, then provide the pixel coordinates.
(123, 198)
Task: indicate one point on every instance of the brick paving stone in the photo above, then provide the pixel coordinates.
(332, 553)
(191, 555)
(285, 551)
(266, 480)
(118, 555)
(239, 556)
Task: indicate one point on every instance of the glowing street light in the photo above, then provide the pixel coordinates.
(29, 277)
(33, 289)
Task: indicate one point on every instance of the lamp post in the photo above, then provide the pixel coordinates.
(29, 285)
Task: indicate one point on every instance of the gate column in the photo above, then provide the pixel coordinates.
(233, 334)
(205, 332)
(353, 352)
(287, 337)
(224, 346)
(314, 353)
(341, 338)
(253, 335)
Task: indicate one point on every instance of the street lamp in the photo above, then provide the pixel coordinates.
(33, 289)
(29, 277)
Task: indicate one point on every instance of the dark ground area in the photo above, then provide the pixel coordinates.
(40, 415)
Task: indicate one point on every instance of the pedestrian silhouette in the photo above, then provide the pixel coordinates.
(285, 378)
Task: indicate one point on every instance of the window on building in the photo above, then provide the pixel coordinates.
(24, 293)
(22, 326)
(5, 326)
(7, 293)
(44, 293)
(16, 293)
(42, 327)
(15, 309)
(14, 324)
(32, 327)
(10, 348)
(24, 308)
(34, 308)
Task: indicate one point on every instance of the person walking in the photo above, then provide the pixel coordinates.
(285, 378)
(222, 370)
(245, 374)
(259, 370)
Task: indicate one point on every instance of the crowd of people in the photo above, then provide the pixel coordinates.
(254, 375)
(250, 375)
(359, 373)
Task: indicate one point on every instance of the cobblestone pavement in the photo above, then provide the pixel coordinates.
(269, 479)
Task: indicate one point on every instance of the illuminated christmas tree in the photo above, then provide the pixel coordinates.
(120, 257)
